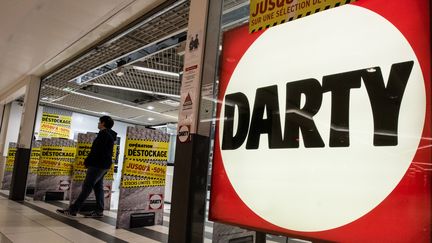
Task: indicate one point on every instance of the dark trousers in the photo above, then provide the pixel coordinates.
(92, 181)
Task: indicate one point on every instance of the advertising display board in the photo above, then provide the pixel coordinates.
(34, 164)
(79, 170)
(143, 176)
(55, 123)
(268, 13)
(55, 167)
(324, 126)
(10, 160)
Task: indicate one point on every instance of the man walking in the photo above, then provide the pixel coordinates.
(98, 162)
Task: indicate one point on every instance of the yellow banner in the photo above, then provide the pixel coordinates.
(114, 155)
(79, 176)
(55, 164)
(56, 152)
(11, 153)
(110, 174)
(268, 13)
(42, 172)
(83, 149)
(146, 150)
(10, 159)
(142, 183)
(140, 156)
(55, 125)
(143, 169)
(79, 165)
(34, 160)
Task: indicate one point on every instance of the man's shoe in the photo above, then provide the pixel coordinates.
(93, 214)
(66, 212)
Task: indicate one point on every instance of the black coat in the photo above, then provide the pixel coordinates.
(101, 152)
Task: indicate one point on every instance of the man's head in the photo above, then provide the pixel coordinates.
(105, 122)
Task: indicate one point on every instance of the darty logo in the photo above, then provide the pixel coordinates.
(325, 114)
(155, 201)
(385, 103)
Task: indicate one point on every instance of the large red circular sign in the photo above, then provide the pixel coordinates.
(327, 192)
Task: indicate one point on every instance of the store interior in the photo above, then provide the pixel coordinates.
(134, 77)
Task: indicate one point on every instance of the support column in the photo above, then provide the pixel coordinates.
(188, 204)
(25, 138)
(3, 133)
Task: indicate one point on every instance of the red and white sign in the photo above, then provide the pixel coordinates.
(107, 191)
(155, 201)
(331, 115)
(64, 185)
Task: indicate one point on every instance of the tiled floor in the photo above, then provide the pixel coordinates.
(36, 221)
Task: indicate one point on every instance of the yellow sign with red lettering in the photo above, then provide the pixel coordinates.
(144, 169)
(55, 126)
(34, 160)
(146, 150)
(56, 160)
(146, 161)
(142, 183)
(268, 13)
(10, 160)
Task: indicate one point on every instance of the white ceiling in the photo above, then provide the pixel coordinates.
(38, 35)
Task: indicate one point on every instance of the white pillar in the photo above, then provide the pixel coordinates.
(25, 138)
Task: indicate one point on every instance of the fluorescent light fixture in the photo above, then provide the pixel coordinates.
(135, 90)
(115, 102)
(172, 103)
(151, 70)
(95, 97)
(150, 107)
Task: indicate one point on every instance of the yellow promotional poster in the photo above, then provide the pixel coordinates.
(142, 183)
(55, 164)
(268, 13)
(34, 160)
(83, 150)
(143, 160)
(110, 173)
(114, 155)
(55, 126)
(146, 150)
(79, 176)
(56, 160)
(43, 172)
(56, 152)
(10, 160)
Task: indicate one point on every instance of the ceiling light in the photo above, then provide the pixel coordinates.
(172, 103)
(150, 107)
(136, 90)
(122, 104)
(150, 70)
(150, 118)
